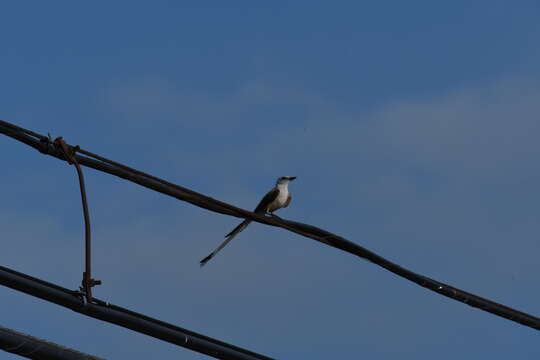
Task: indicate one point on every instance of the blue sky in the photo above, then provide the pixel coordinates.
(412, 127)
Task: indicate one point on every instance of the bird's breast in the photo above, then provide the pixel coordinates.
(280, 200)
(282, 197)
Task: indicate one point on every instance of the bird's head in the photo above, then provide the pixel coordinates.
(285, 180)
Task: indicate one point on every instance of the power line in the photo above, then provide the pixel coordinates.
(34, 348)
(113, 314)
(46, 146)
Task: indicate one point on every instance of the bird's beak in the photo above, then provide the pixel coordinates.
(291, 178)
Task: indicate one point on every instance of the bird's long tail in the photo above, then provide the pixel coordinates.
(244, 224)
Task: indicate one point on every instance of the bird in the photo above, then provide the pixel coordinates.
(277, 198)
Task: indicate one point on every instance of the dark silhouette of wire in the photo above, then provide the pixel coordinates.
(44, 145)
(34, 348)
(113, 314)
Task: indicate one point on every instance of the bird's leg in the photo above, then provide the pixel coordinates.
(274, 216)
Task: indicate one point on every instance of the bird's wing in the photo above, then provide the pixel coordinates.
(287, 201)
(229, 237)
(266, 200)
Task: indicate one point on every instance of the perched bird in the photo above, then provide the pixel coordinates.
(275, 199)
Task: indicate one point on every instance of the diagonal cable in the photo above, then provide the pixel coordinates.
(125, 318)
(32, 347)
(42, 144)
